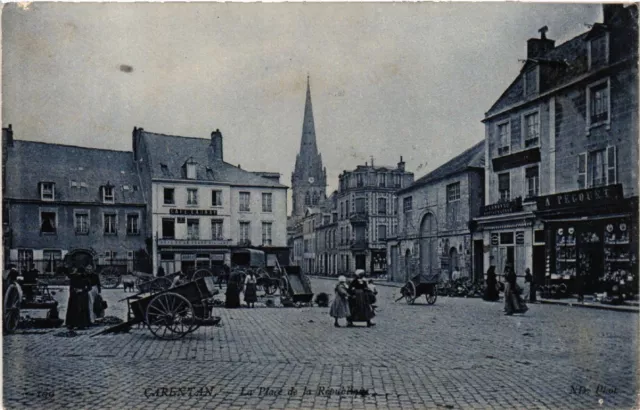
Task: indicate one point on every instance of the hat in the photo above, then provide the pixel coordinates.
(359, 272)
(342, 279)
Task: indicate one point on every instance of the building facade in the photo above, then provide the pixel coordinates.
(61, 198)
(433, 235)
(366, 216)
(202, 207)
(562, 155)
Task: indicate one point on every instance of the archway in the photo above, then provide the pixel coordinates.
(428, 245)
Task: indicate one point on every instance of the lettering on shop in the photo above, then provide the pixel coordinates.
(204, 391)
(585, 197)
(177, 211)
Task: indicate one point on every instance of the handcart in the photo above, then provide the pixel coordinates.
(15, 302)
(253, 260)
(172, 313)
(419, 285)
(295, 286)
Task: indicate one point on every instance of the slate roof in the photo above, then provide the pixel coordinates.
(167, 155)
(77, 172)
(472, 158)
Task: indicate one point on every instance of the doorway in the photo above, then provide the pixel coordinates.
(453, 261)
(407, 265)
(539, 262)
(361, 262)
(478, 261)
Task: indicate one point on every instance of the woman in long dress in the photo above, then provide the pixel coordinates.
(250, 292)
(234, 286)
(359, 303)
(78, 305)
(491, 293)
(340, 305)
(95, 297)
(513, 303)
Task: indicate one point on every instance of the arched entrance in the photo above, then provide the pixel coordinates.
(428, 245)
(407, 265)
(454, 262)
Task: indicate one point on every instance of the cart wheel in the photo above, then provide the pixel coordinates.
(110, 277)
(169, 316)
(431, 297)
(409, 292)
(11, 308)
(284, 287)
(270, 287)
(201, 273)
(160, 284)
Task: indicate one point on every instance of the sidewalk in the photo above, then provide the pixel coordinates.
(632, 307)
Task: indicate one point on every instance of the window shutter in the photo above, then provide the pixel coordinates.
(611, 165)
(582, 170)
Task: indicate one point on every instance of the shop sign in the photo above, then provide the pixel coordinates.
(581, 199)
(518, 159)
(187, 257)
(217, 257)
(205, 212)
(192, 242)
(500, 208)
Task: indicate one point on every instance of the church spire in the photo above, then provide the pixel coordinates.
(308, 142)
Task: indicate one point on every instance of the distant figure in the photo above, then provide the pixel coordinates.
(161, 272)
(373, 292)
(179, 279)
(359, 303)
(456, 274)
(340, 305)
(528, 293)
(95, 294)
(491, 293)
(234, 287)
(250, 293)
(513, 302)
(78, 305)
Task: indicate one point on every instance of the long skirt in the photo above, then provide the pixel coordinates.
(491, 293)
(360, 306)
(78, 310)
(93, 295)
(513, 303)
(339, 307)
(232, 299)
(526, 291)
(250, 294)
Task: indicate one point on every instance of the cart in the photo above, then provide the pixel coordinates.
(295, 286)
(253, 260)
(15, 303)
(110, 274)
(419, 285)
(173, 313)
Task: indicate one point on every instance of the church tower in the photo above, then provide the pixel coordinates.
(309, 178)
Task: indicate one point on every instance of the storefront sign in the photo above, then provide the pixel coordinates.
(177, 211)
(193, 242)
(581, 199)
(187, 257)
(502, 208)
(516, 160)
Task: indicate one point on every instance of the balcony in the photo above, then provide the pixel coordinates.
(358, 244)
(194, 242)
(358, 218)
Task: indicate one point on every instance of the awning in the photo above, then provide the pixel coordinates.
(585, 218)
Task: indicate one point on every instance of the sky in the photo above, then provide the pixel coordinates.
(387, 79)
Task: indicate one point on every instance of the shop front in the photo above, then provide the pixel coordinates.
(591, 240)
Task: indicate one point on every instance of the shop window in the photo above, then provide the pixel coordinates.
(48, 222)
(168, 228)
(533, 181)
(169, 196)
(504, 186)
(193, 229)
(506, 238)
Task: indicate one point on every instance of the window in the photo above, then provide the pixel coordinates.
(216, 198)
(599, 51)
(531, 130)
(382, 180)
(191, 171)
(266, 233)
(360, 205)
(506, 238)
(133, 224)
(504, 137)
(407, 204)
(382, 233)
(192, 196)
(48, 222)
(582, 171)
(109, 221)
(169, 196)
(397, 180)
(193, 229)
(81, 222)
(245, 198)
(52, 260)
(267, 202)
(216, 229)
(359, 180)
(47, 191)
(611, 165)
(531, 81)
(382, 206)
(504, 186)
(453, 192)
(245, 232)
(168, 228)
(533, 181)
(597, 168)
(25, 259)
(598, 104)
(107, 194)
(341, 210)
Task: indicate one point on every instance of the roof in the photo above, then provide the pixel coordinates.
(472, 158)
(167, 155)
(77, 172)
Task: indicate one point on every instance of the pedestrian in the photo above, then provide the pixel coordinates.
(513, 302)
(528, 285)
(95, 294)
(161, 272)
(359, 302)
(234, 287)
(180, 278)
(250, 293)
(491, 293)
(78, 305)
(340, 305)
(373, 292)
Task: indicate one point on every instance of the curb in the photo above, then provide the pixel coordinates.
(628, 309)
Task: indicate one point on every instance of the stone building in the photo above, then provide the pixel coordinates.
(326, 237)
(202, 207)
(366, 216)
(562, 155)
(433, 235)
(60, 198)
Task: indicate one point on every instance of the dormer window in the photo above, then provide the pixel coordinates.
(108, 196)
(191, 168)
(531, 81)
(47, 191)
(598, 50)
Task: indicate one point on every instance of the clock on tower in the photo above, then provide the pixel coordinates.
(311, 180)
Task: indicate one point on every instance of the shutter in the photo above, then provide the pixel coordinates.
(611, 165)
(582, 170)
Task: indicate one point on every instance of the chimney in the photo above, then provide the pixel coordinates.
(134, 143)
(537, 47)
(7, 136)
(401, 164)
(609, 10)
(216, 145)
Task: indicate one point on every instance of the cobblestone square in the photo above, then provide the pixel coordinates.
(458, 353)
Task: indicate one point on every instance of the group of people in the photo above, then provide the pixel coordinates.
(355, 302)
(239, 283)
(85, 298)
(513, 300)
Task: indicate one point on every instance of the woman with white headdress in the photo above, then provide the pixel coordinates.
(360, 303)
(340, 305)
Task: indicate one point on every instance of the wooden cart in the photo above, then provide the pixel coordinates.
(419, 285)
(15, 303)
(295, 287)
(246, 260)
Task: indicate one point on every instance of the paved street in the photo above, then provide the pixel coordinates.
(458, 353)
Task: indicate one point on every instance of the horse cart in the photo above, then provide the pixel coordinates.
(253, 260)
(109, 270)
(15, 302)
(295, 287)
(419, 285)
(172, 313)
